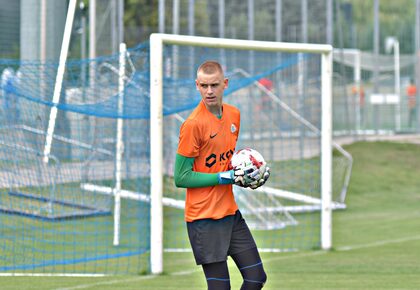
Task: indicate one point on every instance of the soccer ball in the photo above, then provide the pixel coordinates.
(248, 160)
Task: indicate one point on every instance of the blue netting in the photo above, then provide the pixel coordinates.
(90, 86)
(58, 217)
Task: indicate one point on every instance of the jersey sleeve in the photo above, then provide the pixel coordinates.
(189, 139)
(187, 178)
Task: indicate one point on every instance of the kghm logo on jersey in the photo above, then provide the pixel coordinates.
(232, 128)
(222, 157)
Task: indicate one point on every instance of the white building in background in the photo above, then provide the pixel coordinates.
(21, 28)
(40, 38)
(9, 28)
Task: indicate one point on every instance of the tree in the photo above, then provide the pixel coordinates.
(396, 18)
(140, 19)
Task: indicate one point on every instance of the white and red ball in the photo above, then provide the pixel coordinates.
(248, 159)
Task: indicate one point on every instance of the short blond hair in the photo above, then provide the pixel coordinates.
(210, 67)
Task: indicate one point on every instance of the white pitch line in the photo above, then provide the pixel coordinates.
(302, 255)
(346, 248)
(378, 243)
(85, 286)
(189, 272)
(49, 275)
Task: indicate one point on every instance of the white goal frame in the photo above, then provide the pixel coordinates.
(157, 40)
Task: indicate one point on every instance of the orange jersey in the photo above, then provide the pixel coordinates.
(211, 141)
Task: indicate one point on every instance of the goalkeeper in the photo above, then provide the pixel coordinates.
(215, 226)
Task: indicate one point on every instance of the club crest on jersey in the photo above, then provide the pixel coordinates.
(233, 128)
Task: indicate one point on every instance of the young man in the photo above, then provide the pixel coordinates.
(411, 93)
(215, 226)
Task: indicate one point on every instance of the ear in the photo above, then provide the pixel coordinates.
(196, 85)
(226, 81)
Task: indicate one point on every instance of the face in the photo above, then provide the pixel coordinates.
(211, 88)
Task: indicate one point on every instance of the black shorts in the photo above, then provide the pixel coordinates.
(213, 240)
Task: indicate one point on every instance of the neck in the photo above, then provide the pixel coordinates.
(215, 110)
(217, 113)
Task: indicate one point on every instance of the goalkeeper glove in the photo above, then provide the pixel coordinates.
(257, 183)
(252, 174)
(234, 176)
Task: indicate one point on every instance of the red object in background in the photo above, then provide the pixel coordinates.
(268, 84)
(411, 94)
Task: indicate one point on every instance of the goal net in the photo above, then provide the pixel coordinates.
(105, 202)
(284, 94)
(52, 220)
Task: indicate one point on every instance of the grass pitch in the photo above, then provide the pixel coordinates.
(376, 239)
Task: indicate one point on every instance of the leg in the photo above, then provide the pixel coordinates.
(252, 270)
(217, 276)
(410, 118)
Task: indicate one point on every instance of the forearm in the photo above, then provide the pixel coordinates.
(185, 177)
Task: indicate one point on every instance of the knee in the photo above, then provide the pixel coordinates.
(261, 275)
(255, 280)
(263, 278)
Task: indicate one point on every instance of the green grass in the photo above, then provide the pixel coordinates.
(376, 239)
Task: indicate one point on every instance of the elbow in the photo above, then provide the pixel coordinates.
(178, 182)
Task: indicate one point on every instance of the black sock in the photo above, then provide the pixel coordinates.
(217, 276)
(252, 270)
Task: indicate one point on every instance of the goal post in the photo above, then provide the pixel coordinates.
(59, 79)
(157, 42)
